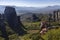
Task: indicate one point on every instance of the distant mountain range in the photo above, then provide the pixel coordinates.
(23, 10)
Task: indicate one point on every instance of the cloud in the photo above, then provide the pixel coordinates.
(30, 3)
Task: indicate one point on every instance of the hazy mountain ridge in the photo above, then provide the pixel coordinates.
(22, 10)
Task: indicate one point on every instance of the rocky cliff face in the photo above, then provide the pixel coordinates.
(3, 28)
(12, 20)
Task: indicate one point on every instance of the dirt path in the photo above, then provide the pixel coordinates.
(33, 31)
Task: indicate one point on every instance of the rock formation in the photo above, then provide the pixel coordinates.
(13, 20)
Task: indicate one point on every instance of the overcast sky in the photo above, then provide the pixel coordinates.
(30, 3)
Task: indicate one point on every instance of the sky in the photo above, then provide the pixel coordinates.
(30, 3)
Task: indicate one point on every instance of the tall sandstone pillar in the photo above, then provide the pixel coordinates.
(58, 14)
(12, 20)
(54, 16)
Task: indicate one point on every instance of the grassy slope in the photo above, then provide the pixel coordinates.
(53, 34)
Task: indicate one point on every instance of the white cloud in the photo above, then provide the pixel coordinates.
(27, 4)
